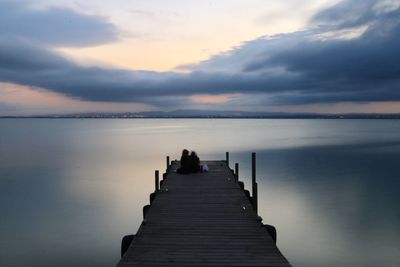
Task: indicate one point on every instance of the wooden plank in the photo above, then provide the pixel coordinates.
(202, 219)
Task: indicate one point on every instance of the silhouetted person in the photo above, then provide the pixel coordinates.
(185, 163)
(189, 163)
(194, 162)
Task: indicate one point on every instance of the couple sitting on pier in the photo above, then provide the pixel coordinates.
(189, 163)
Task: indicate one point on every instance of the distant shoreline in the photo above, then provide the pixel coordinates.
(316, 116)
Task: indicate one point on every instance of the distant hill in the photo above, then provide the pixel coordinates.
(215, 114)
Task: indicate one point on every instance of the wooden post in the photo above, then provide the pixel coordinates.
(255, 198)
(237, 171)
(227, 159)
(157, 181)
(168, 162)
(253, 180)
(253, 167)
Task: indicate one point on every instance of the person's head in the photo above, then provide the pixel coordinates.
(193, 154)
(185, 152)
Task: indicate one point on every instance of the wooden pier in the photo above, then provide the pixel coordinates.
(202, 219)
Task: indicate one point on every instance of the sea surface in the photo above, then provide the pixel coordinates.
(70, 189)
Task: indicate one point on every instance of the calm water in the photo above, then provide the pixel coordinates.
(70, 189)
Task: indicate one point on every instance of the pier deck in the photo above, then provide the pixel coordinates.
(202, 219)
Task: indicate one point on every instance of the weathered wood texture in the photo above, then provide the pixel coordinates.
(202, 219)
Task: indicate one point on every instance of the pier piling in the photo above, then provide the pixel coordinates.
(237, 172)
(157, 181)
(168, 163)
(253, 182)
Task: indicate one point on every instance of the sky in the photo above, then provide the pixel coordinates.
(318, 56)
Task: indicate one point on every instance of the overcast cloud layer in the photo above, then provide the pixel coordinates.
(54, 26)
(349, 53)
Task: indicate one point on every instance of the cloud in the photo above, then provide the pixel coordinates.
(366, 68)
(59, 27)
(26, 64)
(288, 69)
(141, 12)
(25, 100)
(354, 13)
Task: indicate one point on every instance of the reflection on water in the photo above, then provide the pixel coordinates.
(70, 189)
(333, 200)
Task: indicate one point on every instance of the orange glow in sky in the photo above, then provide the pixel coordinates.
(213, 98)
(33, 100)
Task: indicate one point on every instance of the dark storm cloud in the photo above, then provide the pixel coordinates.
(295, 68)
(354, 13)
(347, 13)
(35, 66)
(54, 26)
(366, 68)
(26, 64)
